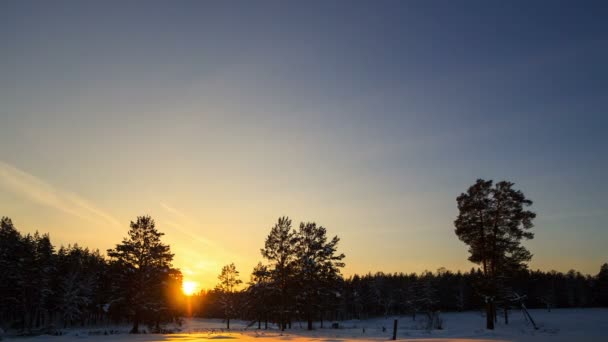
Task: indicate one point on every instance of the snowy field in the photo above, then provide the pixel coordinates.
(558, 325)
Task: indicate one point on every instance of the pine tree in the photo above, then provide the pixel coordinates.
(279, 251)
(144, 267)
(78, 283)
(493, 221)
(11, 249)
(260, 292)
(75, 297)
(425, 294)
(229, 280)
(28, 281)
(601, 286)
(45, 268)
(318, 268)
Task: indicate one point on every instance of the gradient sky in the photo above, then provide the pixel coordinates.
(367, 117)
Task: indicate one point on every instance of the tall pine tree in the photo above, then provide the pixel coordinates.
(318, 268)
(279, 251)
(145, 268)
(493, 220)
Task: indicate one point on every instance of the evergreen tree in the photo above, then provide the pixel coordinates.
(260, 292)
(45, 268)
(75, 297)
(144, 267)
(78, 284)
(229, 280)
(601, 286)
(426, 294)
(493, 221)
(318, 268)
(11, 249)
(279, 251)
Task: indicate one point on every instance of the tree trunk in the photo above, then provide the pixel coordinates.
(227, 323)
(309, 323)
(135, 329)
(489, 316)
(506, 316)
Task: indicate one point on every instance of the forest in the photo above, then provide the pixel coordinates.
(44, 288)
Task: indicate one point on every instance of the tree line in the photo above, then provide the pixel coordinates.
(300, 278)
(493, 220)
(382, 294)
(43, 289)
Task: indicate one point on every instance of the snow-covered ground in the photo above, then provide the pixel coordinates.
(558, 325)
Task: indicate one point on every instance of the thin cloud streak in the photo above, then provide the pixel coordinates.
(179, 228)
(189, 222)
(174, 211)
(37, 190)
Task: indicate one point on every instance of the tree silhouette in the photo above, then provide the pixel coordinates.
(493, 221)
(145, 264)
(260, 291)
(601, 291)
(11, 250)
(318, 268)
(229, 280)
(279, 251)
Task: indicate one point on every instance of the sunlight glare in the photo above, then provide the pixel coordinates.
(189, 287)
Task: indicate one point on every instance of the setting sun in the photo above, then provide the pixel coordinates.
(189, 287)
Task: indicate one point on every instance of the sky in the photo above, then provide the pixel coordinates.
(367, 117)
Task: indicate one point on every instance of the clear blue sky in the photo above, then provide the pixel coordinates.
(369, 117)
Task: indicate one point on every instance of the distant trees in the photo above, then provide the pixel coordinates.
(28, 280)
(229, 280)
(601, 290)
(84, 288)
(457, 291)
(42, 289)
(304, 269)
(316, 292)
(300, 280)
(493, 220)
(144, 265)
(426, 293)
(11, 251)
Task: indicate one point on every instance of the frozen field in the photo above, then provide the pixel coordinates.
(558, 325)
